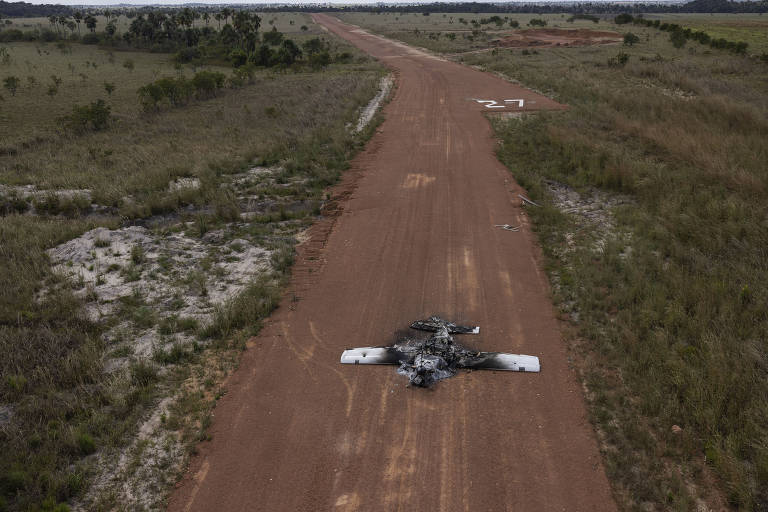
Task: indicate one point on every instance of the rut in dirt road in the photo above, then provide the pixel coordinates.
(297, 431)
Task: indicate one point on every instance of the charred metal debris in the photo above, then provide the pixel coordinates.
(426, 360)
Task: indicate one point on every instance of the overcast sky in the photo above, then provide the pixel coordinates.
(292, 2)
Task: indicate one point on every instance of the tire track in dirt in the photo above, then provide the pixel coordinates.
(298, 432)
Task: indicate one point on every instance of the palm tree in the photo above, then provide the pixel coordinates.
(54, 20)
(90, 22)
(78, 17)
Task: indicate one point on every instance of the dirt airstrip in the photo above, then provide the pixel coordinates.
(410, 233)
(550, 37)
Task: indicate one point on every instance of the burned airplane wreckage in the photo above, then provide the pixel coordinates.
(427, 360)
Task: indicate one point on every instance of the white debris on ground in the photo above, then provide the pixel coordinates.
(385, 85)
(171, 274)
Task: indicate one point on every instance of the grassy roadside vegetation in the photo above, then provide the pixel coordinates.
(671, 320)
(67, 395)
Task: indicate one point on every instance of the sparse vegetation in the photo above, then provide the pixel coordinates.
(67, 412)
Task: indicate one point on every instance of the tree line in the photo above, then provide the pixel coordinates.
(680, 35)
(707, 6)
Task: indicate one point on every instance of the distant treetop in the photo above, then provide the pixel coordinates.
(27, 10)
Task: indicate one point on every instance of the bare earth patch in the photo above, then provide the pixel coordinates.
(552, 37)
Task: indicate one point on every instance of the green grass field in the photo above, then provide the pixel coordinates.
(67, 407)
(750, 28)
(667, 312)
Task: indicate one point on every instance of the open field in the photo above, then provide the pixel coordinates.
(457, 32)
(197, 207)
(664, 293)
(445, 33)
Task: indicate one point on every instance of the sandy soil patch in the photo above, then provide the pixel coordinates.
(551, 37)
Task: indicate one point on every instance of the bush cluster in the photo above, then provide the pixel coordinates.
(178, 91)
(94, 117)
(588, 17)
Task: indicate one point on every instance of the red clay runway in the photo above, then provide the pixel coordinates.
(413, 236)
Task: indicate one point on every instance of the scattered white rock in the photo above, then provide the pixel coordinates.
(183, 184)
(31, 192)
(594, 227)
(253, 175)
(385, 85)
(172, 274)
(142, 473)
(593, 209)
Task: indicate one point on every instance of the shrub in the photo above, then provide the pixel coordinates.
(238, 58)
(175, 90)
(187, 55)
(10, 35)
(95, 117)
(273, 37)
(85, 443)
(150, 96)
(536, 22)
(589, 17)
(264, 56)
(207, 82)
(241, 76)
(143, 374)
(12, 203)
(12, 84)
(91, 38)
(288, 53)
(677, 38)
(623, 18)
(319, 60)
(619, 60)
(630, 39)
(315, 45)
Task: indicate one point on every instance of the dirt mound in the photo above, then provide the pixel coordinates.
(550, 37)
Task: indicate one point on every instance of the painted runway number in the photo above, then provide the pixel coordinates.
(504, 104)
